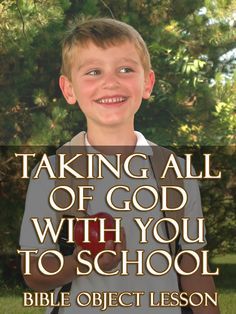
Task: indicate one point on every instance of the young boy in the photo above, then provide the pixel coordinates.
(106, 69)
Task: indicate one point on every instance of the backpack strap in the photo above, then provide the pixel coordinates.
(70, 150)
(158, 163)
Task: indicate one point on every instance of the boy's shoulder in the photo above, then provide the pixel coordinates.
(77, 140)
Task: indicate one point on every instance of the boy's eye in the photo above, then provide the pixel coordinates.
(126, 70)
(93, 72)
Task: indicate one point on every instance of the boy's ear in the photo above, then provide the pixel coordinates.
(149, 83)
(67, 89)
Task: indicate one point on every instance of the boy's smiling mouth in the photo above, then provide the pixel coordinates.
(111, 100)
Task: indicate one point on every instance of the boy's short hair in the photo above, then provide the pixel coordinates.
(103, 32)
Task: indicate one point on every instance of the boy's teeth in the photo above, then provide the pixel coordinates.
(111, 100)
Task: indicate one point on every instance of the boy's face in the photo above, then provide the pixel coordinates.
(108, 84)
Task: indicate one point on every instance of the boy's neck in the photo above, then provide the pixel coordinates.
(112, 137)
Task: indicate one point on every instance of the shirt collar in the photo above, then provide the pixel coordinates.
(142, 145)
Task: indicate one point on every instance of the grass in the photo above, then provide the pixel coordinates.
(13, 304)
(227, 301)
(225, 282)
(11, 300)
(225, 259)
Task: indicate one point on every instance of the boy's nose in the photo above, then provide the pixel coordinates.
(110, 81)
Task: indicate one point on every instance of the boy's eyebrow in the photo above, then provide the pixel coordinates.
(98, 61)
(130, 60)
(89, 62)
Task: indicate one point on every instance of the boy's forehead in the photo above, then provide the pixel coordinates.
(86, 51)
(105, 45)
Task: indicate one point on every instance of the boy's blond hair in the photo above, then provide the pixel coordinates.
(103, 32)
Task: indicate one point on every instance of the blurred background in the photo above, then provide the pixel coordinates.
(192, 108)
